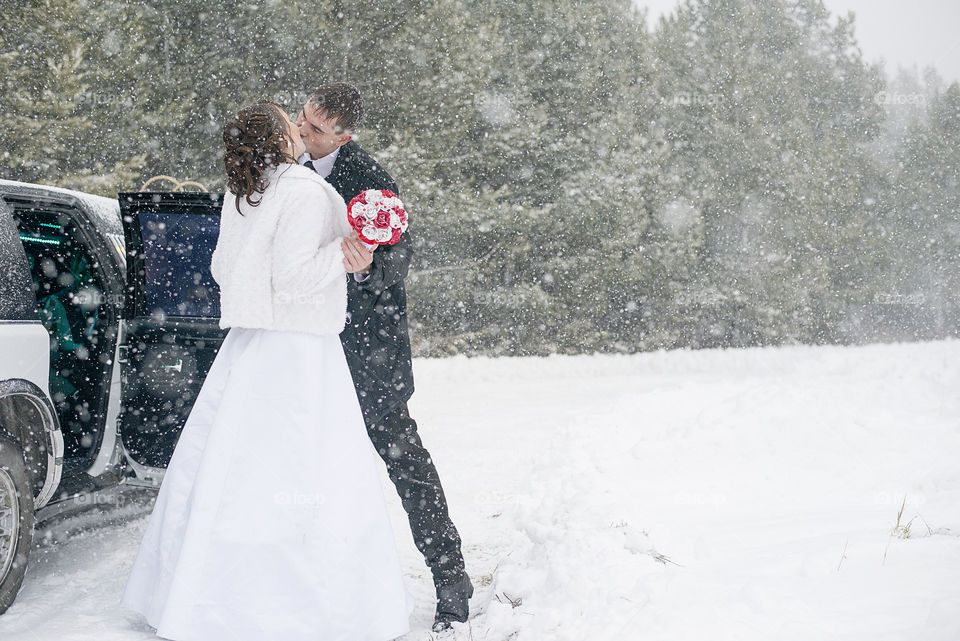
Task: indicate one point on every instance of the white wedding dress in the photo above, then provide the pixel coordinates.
(271, 523)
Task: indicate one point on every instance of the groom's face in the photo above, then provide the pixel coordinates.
(320, 133)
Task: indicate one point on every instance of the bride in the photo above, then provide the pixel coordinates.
(270, 523)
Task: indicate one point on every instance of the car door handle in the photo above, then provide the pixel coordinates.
(178, 367)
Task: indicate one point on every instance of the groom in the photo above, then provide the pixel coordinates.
(377, 344)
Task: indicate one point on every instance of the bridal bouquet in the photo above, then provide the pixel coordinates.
(378, 216)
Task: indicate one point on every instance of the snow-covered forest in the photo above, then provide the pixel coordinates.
(579, 178)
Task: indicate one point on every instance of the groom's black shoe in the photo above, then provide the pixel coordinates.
(452, 603)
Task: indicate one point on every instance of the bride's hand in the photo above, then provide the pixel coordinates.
(356, 257)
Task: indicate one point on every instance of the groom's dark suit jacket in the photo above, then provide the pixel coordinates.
(376, 340)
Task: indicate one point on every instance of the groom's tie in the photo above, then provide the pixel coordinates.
(309, 165)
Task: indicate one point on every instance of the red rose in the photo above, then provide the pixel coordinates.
(382, 221)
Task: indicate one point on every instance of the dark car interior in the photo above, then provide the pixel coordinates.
(69, 284)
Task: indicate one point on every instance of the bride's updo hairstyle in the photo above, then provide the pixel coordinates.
(256, 141)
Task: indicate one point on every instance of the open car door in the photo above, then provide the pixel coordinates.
(170, 333)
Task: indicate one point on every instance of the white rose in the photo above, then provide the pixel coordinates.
(373, 196)
(367, 212)
(369, 232)
(383, 235)
(394, 220)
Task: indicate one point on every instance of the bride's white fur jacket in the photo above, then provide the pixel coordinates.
(280, 264)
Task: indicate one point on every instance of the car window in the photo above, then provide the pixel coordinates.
(16, 295)
(176, 261)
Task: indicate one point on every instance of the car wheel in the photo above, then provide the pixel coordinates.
(16, 521)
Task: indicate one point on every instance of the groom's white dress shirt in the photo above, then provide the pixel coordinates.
(323, 166)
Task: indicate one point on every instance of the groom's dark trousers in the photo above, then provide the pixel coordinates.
(377, 346)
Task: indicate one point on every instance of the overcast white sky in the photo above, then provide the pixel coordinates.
(902, 32)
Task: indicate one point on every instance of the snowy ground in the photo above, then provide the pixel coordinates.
(740, 495)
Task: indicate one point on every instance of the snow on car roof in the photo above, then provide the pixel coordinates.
(106, 210)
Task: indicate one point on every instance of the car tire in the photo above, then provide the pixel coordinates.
(16, 521)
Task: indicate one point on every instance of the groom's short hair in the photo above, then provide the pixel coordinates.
(340, 101)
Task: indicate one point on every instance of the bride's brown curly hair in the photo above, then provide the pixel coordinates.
(256, 141)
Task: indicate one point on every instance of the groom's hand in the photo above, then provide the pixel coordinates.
(356, 258)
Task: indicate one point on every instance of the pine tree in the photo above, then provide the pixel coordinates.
(43, 82)
(769, 105)
(921, 224)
